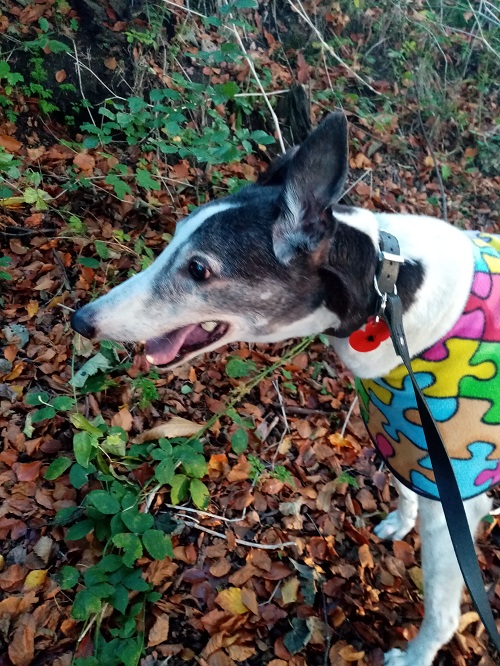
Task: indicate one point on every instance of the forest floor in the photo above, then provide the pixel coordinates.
(240, 531)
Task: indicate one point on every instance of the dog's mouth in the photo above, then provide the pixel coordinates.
(175, 345)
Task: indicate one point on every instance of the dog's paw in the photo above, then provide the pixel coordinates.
(396, 657)
(396, 526)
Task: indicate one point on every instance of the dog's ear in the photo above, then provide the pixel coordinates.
(277, 172)
(315, 177)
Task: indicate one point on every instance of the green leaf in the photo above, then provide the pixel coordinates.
(110, 563)
(229, 89)
(299, 637)
(104, 502)
(179, 488)
(165, 471)
(85, 605)
(120, 599)
(56, 468)
(135, 581)
(199, 493)
(158, 544)
(42, 414)
(239, 441)
(114, 445)
(196, 466)
(445, 171)
(84, 444)
(136, 104)
(63, 403)
(79, 530)
(131, 545)
(238, 367)
(262, 137)
(144, 180)
(102, 249)
(120, 187)
(91, 367)
(246, 4)
(89, 262)
(80, 422)
(68, 577)
(79, 476)
(135, 521)
(37, 398)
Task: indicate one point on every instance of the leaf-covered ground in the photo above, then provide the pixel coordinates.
(88, 488)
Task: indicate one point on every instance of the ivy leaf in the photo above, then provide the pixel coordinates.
(158, 544)
(56, 468)
(199, 493)
(144, 180)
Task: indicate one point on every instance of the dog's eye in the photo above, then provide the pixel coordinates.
(199, 271)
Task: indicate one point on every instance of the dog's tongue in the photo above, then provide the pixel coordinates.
(164, 349)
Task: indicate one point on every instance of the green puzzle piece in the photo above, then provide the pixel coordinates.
(484, 389)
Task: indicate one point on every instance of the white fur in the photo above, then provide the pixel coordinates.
(445, 253)
(443, 581)
(400, 522)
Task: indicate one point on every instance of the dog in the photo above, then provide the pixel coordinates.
(282, 259)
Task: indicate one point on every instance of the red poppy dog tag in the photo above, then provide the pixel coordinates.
(369, 338)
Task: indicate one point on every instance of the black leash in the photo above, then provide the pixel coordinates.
(391, 311)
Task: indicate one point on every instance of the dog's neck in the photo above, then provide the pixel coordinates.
(433, 283)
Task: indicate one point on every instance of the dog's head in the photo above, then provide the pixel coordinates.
(246, 267)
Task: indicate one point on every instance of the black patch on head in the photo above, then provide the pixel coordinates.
(348, 278)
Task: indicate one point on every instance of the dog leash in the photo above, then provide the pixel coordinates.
(391, 311)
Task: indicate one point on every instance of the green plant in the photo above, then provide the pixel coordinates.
(4, 263)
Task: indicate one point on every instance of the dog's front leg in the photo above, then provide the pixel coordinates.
(401, 521)
(443, 582)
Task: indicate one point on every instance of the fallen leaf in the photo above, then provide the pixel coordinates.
(60, 76)
(365, 557)
(84, 162)
(110, 63)
(240, 652)
(249, 599)
(159, 631)
(289, 591)
(35, 579)
(27, 471)
(176, 427)
(9, 143)
(230, 600)
(22, 646)
(123, 419)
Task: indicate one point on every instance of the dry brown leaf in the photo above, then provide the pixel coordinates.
(324, 500)
(219, 659)
(123, 419)
(466, 619)
(230, 600)
(110, 63)
(84, 162)
(415, 574)
(365, 557)
(9, 143)
(249, 599)
(289, 590)
(159, 631)
(60, 76)
(220, 567)
(176, 427)
(22, 646)
(350, 654)
(241, 652)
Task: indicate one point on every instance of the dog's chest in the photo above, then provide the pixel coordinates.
(460, 376)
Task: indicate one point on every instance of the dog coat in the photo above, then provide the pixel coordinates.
(460, 377)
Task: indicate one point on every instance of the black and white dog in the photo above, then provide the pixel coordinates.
(280, 259)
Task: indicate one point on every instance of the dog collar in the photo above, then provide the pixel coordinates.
(375, 331)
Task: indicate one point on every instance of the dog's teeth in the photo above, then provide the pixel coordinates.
(209, 326)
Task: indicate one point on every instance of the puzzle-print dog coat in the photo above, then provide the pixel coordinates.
(460, 377)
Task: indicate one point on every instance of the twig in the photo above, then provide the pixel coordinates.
(303, 15)
(241, 542)
(65, 307)
(188, 509)
(301, 411)
(261, 88)
(260, 94)
(444, 213)
(344, 427)
(80, 84)
(287, 427)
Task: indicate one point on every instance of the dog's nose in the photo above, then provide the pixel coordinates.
(81, 322)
